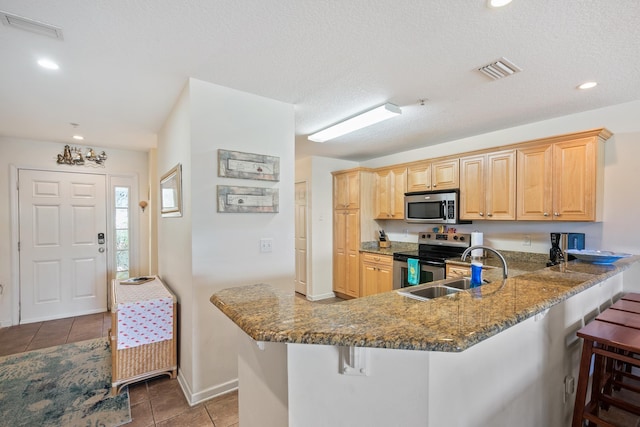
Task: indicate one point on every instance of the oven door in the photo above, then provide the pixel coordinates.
(428, 273)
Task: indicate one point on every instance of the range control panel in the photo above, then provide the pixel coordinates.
(445, 239)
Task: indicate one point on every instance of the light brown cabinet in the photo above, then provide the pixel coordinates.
(376, 274)
(562, 180)
(488, 186)
(391, 184)
(346, 190)
(352, 223)
(433, 175)
(453, 270)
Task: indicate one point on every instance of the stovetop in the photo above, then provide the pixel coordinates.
(437, 247)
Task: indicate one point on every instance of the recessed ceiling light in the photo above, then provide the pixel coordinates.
(498, 3)
(588, 85)
(48, 64)
(78, 137)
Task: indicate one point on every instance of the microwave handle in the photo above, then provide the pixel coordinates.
(444, 210)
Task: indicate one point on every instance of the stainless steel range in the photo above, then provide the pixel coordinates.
(433, 250)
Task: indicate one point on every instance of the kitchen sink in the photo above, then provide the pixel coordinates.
(437, 289)
(461, 283)
(428, 292)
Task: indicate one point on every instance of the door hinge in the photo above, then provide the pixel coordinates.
(18, 246)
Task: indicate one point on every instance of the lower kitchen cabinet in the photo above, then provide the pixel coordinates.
(376, 274)
(457, 271)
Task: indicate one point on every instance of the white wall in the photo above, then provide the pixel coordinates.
(23, 153)
(174, 233)
(316, 171)
(223, 248)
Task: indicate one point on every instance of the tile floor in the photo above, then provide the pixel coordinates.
(156, 402)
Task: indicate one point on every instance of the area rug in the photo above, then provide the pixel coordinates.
(66, 385)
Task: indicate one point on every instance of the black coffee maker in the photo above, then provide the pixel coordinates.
(560, 242)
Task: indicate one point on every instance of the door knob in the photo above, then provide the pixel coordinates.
(101, 250)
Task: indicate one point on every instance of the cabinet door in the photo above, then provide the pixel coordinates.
(391, 185)
(385, 277)
(472, 187)
(346, 190)
(340, 251)
(352, 218)
(500, 198)
(534, 178)
(419, 177)
(445, 174)
(369, 279)
(384, 190)
(397, 196)
(574, 180)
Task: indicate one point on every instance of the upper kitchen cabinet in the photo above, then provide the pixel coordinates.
(432, 175)
(561, 178)
(488, 186)
(346, 190)
(391, 184)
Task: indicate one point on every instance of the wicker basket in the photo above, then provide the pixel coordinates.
(130, 365)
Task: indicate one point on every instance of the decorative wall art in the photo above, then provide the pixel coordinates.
(75, 156)
(247, 199)
(171, 192)
(234, 164)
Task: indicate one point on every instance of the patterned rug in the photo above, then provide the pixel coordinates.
(67, 385)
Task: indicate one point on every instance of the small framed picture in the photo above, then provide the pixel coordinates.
(235, 164)
(171, 192)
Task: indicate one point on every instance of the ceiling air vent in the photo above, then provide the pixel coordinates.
(499, 69)
(31, 25)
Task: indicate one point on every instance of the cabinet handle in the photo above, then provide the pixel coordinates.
(434, 185)
(556, 214)
(480, 213)
(489, 214)
(546, 214)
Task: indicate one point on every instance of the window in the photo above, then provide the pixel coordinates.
(122, 232)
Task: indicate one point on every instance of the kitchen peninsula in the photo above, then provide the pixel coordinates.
(497, 355)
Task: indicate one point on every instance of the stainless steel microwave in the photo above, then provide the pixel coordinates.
(432, 207)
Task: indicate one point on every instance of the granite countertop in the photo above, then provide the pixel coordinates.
(389, 320)
(373, 247)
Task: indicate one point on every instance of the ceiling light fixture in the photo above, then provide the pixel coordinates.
(497, 3)
(588, 85)
(48, 64)
(360, 121)
(78, 137)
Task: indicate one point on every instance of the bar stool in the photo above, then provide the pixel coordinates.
(612, 339)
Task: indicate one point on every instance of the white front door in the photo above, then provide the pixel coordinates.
(301, 237)
(63, 260)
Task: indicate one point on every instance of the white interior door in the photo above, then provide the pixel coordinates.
(63, 263)
(301, 237)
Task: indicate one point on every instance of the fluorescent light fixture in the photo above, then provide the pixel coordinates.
(588, 85)
(360, 121)
(498, 3)
(48, 64)
(78, 137)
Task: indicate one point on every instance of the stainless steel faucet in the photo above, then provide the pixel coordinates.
(505, 270)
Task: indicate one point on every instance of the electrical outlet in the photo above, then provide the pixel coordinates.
(266, 245)
(526, 240)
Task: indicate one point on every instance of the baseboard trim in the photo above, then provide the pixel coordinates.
(321, 296)
(5, 323)
(202, 396)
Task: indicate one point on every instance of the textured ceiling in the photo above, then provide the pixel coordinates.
(124, 62)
